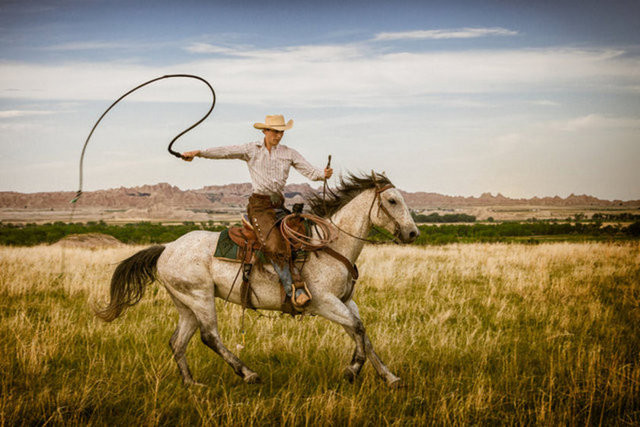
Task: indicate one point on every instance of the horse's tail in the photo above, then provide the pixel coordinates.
(129, 281)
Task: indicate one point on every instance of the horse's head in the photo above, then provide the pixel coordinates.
(389, 211)
(386, 210)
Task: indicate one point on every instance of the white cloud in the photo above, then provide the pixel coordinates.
(207, 48)
(92, 45)
(291, 53)
(9, 114)
(598, 122)
(450, 101)
(461, 33)
(333, 75)
(545, 103)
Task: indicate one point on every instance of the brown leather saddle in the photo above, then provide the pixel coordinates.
(245, 237)
(249, 246)
(248, 253)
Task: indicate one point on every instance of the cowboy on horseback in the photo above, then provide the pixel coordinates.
(269, 163)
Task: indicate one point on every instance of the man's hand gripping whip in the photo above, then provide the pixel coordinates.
(175, 153)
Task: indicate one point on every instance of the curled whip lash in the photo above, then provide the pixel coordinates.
(175, 153)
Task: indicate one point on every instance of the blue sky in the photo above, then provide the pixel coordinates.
(521, 98)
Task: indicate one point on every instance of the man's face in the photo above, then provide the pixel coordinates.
(272, 137)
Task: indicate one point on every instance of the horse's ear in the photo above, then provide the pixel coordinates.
(373, 177)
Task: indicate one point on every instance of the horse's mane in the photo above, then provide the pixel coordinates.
(349, 187)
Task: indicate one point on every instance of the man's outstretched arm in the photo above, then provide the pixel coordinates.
(229, 152)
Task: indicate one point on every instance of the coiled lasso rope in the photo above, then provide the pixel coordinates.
(322, 226)
(308, 243)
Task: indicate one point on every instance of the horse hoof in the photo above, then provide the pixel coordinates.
(349, 374)
(252, 378)
(396, 383)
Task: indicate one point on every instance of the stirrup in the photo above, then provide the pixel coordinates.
(305, 297)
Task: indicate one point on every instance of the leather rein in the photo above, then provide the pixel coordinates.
(289, 235)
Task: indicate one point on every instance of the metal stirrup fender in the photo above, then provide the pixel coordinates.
(175, 153)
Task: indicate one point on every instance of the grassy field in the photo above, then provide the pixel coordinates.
(480, 333)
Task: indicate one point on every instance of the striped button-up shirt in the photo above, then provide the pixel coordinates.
(269, 170)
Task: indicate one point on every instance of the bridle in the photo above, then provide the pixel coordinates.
(381, 206)
(378, 197)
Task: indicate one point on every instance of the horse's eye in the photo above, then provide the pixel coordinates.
(392, 201)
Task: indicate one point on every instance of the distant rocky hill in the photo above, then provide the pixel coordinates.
(430, 200)
(147, 196)
(235, 196)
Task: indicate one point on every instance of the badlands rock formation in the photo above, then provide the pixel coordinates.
(236, 195)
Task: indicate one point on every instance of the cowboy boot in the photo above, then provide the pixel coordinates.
(302, 295)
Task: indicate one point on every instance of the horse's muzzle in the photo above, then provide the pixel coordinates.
(409, 236)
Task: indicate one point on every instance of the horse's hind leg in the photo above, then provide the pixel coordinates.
(209, 334)
(187, 325)
(380, 367)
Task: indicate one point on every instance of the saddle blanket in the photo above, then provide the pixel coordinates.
(228, 250)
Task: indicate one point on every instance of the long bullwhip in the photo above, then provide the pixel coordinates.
(175, 153)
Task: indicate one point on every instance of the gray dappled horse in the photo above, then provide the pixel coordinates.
(193, 277)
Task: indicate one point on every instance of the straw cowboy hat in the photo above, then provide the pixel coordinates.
(274, 122)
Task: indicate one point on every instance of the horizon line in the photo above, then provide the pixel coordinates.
(497, 194)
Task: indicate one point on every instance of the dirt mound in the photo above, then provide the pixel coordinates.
(89, 240)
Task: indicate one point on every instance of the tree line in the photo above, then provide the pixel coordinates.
(525, 232)
(147, 232)
(446, 218)
(135, 233)
(624, 217)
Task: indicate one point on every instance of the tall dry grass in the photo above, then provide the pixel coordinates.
(480, 333)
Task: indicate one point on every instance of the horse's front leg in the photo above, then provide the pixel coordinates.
(383, 371)
(331, 308)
